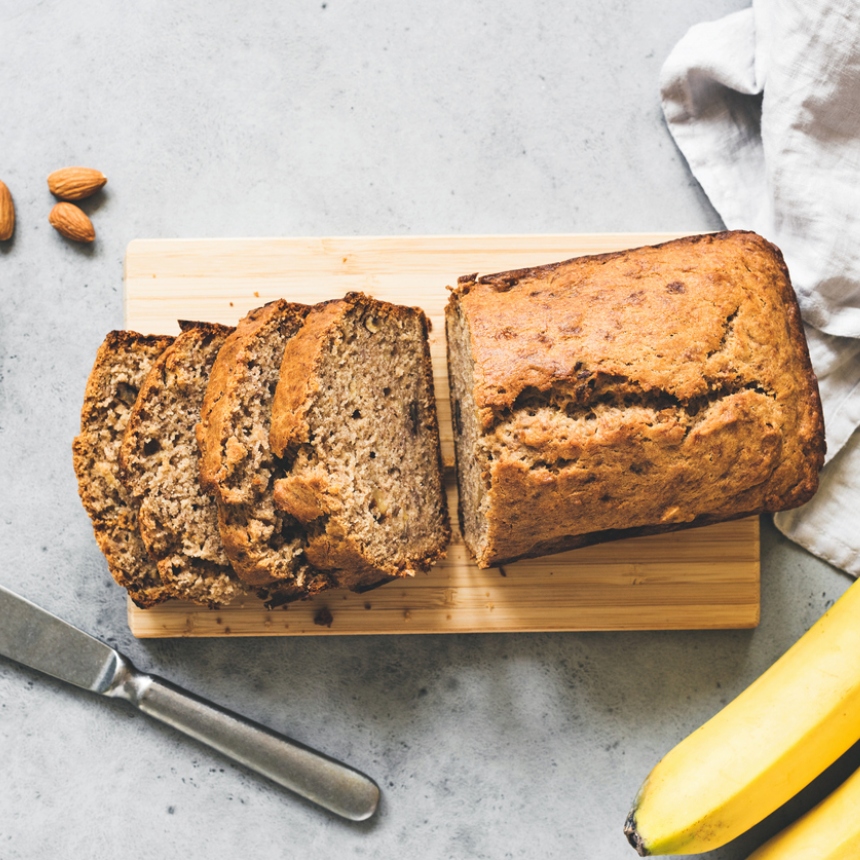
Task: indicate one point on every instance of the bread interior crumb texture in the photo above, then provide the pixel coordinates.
(469, 448)
(178, 520)
(374, 427)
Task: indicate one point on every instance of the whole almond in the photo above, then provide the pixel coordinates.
(75, 183)
(72, 222)
(7, 213)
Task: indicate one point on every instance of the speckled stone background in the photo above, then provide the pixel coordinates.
(325, 118)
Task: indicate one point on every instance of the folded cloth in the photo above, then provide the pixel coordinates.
(765, 106)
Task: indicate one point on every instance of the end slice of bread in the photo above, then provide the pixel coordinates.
(159, 461)
(354, 419)
(265, 545)
(120, 368)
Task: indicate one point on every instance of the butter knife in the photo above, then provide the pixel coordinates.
(34, 637)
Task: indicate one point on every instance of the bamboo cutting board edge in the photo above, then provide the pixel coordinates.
(605, 587)
(598, 586)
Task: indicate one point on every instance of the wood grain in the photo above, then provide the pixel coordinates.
(701, 578)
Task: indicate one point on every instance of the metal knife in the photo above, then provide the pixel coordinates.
(36, 638)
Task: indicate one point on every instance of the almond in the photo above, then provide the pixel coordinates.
(7, 213)
(70, 221)
(75, 183)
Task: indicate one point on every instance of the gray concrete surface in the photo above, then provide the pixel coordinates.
(332, 118)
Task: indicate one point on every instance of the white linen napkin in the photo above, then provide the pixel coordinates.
(765, 106)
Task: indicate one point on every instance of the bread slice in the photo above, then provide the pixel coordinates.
(265, 545)
(354, 417)
(630, 393)
(121, 365)
(159, 460)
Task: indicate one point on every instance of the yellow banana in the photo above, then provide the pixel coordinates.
(762, 748)
(830, 831)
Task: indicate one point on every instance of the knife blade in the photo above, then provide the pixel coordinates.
(36, 638)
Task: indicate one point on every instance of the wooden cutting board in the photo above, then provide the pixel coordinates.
(695, 579)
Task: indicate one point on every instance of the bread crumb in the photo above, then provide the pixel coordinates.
(323, 617)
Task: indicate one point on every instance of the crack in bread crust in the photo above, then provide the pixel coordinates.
(591, 392)
(121, 365)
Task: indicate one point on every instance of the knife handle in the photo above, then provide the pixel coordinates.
(310, 774)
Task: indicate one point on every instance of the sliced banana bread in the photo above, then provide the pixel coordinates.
(122, 363)
(159, 460)
(264, 544)
(354, 418)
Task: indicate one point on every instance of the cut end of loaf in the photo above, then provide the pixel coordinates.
(120, 367)
(471, 455)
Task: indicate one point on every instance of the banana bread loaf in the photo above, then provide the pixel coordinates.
(265, 545)
(354, 417)
(121, 365)
(159, 464)
(629, 393)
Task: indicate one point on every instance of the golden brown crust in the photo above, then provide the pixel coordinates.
(646, 388)
(660, 308)
(214, 430)
(300, 377)
(304, 496)
(120, 366)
